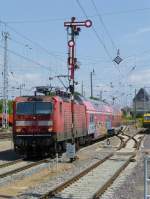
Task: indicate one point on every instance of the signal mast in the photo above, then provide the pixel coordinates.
(74, 27)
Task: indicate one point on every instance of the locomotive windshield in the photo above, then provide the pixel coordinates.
(146, 117)
(33, 108)
(43, 107)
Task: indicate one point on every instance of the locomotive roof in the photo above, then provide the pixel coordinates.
(100, 106)
(47, 98)
(33, 98)
(91, 105)
(146, 114)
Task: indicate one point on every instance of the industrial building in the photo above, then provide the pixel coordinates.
(141, 102)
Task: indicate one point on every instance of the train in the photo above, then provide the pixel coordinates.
(146, 120)
(42, 123)
(9, 118)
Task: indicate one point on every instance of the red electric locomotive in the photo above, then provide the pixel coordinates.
(42, 124)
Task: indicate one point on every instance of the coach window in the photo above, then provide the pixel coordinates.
(91, 118)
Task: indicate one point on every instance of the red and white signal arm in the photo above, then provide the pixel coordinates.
(71, 43)
(88, 23)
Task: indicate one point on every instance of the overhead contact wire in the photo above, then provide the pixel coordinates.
(97, 35)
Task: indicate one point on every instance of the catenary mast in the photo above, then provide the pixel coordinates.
(5, 84)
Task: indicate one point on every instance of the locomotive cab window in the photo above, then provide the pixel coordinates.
(33, 108)
(146, 117)
(43, 107)
(24, 108)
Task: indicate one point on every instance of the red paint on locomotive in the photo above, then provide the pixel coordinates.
(42, 124)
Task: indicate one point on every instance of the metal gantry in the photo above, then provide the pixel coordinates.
(5, 84)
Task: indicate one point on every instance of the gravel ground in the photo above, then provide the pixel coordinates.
(14, 166)
(7, 153)
(78, 166)
(130, 184)
(21, 175)
(90, 183)
(5, 144)
(53, 182)
(7, 156)
(87, 157)
(54, 174)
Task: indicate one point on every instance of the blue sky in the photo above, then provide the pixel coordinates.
(42, 22)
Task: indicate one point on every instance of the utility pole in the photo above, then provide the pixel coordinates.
(101, 95)
(5, 84)
(20, 89)
(91, 79)
(135, 107)
(21, 86)
(82, 89)
(74, 27)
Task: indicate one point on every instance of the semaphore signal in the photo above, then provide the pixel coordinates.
(74, 27)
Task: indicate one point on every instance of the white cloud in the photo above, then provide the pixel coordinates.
(142, 30)
(30, 79)
(141, 78)
(138, 32)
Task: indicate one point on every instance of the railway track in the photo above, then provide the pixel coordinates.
(18, 166)
(10, 163)
(92, 182)
(7, 135)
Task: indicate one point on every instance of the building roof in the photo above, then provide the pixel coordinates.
(142, 95)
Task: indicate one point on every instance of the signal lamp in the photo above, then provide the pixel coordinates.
(71, 43)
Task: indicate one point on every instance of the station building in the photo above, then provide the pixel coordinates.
(141, 102)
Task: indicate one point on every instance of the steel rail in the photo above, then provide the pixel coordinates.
(121, 142)
(83, 173)
(75, 178)
(112, 179)
(5, 135)
(10, 163)
(138, 142)
(23, 168)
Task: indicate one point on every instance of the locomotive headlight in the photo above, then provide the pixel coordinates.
(18, 130)
(50, 129)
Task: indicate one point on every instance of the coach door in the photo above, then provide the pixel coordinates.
(92, 127)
